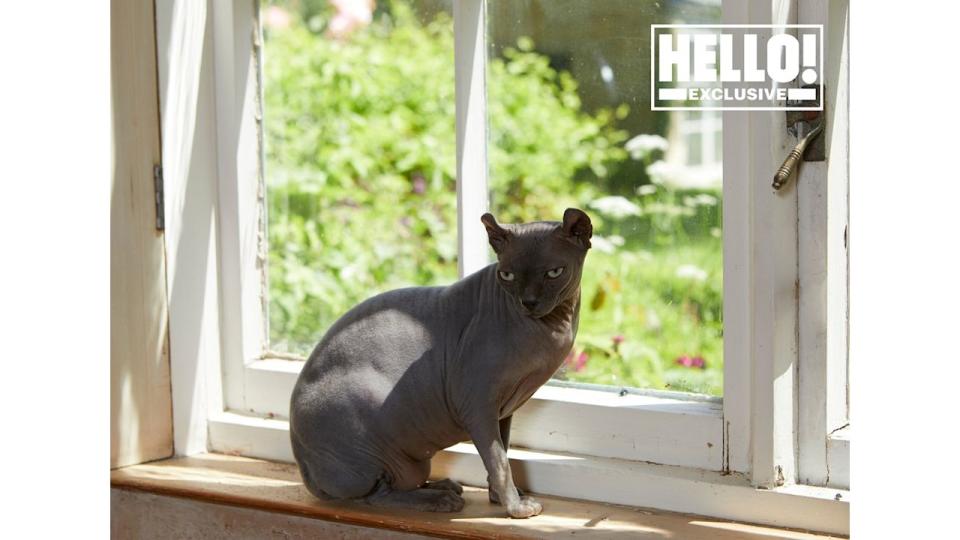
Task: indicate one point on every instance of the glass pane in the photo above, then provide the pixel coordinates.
(570, 125)
(360, 156)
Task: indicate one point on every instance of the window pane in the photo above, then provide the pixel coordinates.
(570, 125)
(360, 156)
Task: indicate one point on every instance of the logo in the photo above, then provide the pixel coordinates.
(736, 67)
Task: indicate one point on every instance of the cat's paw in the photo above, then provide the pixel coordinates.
(444, 501)
(495, 499)
(527, 507)
(447, 485)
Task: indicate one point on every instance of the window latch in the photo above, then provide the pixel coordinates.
(806, 126)
(793, 158)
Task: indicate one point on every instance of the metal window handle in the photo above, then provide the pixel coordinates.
(790, 164)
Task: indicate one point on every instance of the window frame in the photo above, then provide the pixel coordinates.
(229, 396)
(823, 433)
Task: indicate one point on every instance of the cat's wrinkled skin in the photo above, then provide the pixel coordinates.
(412, 371)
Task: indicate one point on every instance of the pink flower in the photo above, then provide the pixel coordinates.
(577, 361)
(276, 18)
(350, 15)
(695, 362)
(581, 361)
(419, 184)
(617, 340)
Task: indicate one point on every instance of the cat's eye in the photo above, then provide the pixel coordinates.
(555, 273)
(506, 276)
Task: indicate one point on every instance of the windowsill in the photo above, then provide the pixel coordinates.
(276, 487)
(602, 480)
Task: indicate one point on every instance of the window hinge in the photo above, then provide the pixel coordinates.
(158, 194)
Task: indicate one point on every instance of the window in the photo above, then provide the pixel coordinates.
(231, 389)
(359, 136)
(567, 89)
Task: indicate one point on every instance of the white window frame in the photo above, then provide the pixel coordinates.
(823, 432)
(229, 397)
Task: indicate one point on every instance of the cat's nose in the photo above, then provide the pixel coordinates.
(529, 303)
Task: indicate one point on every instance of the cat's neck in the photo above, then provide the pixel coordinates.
(566, 313)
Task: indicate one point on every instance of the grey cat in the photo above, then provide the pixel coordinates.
(412, 371)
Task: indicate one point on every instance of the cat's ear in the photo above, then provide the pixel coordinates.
(497, 235)
(577, 227)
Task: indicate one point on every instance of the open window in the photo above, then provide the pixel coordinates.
(347, 152)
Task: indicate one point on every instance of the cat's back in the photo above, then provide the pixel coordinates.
(382, 336)
(397, 321)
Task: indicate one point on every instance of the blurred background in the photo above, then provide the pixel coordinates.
(361, 170)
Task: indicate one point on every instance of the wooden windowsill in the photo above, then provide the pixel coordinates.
(276, 487)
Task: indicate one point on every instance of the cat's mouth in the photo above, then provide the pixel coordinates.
(535, 313)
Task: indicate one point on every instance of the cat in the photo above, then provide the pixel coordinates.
(412, 371)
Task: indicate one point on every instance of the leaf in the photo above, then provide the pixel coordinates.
(599, 297)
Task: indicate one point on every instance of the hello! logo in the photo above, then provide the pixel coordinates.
(736, 67)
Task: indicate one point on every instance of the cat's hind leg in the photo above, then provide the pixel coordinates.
(447, 484)
(423, 499)
(327, 477)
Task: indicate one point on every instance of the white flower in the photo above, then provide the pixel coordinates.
(705, 200)
(661, 171)
(653, 320)
(615, 206)
(602, 244)
(690, 271)
(608, 244)
(641, 145)
(700, 200)
(647, 189)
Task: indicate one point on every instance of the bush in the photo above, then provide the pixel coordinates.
(361, 161)
(361, 171)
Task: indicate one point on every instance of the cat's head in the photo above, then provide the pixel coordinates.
(539, 264)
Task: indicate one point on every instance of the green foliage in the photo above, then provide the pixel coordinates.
(361, 164)
(361, 160)
(540, 139)
(360, 168)
(657, 313)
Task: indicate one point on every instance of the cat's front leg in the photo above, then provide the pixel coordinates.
(486, 437)
(505, 437)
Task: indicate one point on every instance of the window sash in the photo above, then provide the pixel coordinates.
(668, 428)
(662, 427)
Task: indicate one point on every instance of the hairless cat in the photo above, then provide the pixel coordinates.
(412, 371)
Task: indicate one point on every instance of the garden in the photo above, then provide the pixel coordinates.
(360, 170)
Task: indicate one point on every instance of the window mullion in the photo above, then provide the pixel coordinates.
(760, 285)
(469, 27)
